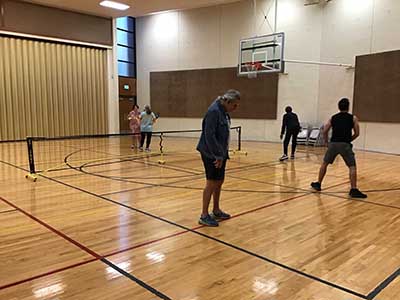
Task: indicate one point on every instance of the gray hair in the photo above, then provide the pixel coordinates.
(231, 95)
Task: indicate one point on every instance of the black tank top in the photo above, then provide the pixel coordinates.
(342, 126)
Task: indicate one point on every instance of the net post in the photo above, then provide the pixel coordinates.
(29, 142)
(239, 145)
(161, 160)
(239, 138)
(32, 172)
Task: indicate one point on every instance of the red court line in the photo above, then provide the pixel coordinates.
(47, 273)
(59, 233)
(267, 205)
(147, 243)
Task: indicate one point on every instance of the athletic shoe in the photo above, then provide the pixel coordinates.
(355, 193)
(141, 149)
(220, 215)
(147, 149)
(292, 156)
(283, 157)
(208, 221)
(316, 186)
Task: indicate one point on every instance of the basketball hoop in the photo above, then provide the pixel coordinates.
(252, 68)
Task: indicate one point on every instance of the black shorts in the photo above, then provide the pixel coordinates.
(212, 173)
(344, 149)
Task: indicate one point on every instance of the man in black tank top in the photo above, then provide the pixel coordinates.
(342, 125)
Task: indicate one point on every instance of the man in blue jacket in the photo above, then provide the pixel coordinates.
(214, 146)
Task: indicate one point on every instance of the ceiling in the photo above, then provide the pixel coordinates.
(137, 7)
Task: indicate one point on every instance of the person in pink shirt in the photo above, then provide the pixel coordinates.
(134, 125)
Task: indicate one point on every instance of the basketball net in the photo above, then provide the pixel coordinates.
(252, 68)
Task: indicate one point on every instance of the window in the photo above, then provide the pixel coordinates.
(126, 48)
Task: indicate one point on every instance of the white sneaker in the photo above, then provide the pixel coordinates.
(284, 157)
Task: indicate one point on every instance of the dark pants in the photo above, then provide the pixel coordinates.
(212, 173)
(142, 137)
(290, 134)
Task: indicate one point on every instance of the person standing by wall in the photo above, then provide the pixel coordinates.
(290, 124)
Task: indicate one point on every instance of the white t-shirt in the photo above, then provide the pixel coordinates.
(146, 121)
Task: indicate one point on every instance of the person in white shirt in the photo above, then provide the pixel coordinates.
(147, 119)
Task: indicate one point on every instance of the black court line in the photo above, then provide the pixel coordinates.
(14, 166)
(283, 266)
(85, 166)
(89, 251)
(384, 284)
(151, 186)
(135, 279)
(7, 211)
(333, 194)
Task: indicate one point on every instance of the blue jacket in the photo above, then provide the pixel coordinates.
(214, 139)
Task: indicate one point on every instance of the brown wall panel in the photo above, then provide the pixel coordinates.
(188, 93)
(377, 87)
(127, 81)
(125, 107)
(52, 22)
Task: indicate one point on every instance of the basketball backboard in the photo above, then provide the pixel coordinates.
(261, 54)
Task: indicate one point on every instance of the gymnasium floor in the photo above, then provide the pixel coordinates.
(115, 224)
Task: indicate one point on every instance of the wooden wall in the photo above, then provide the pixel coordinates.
(377, 87)
(127, 97)
(49, 89)
(189, 93)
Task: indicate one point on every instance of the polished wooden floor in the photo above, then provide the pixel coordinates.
(111, 223)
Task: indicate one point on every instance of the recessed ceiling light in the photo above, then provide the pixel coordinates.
(115, 5)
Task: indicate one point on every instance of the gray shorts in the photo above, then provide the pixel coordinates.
(344, 149)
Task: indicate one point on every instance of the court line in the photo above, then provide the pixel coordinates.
(332, 194)
(46, 274)
(7, 211)
(89, 251)
(333, 285)
(383, 284)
